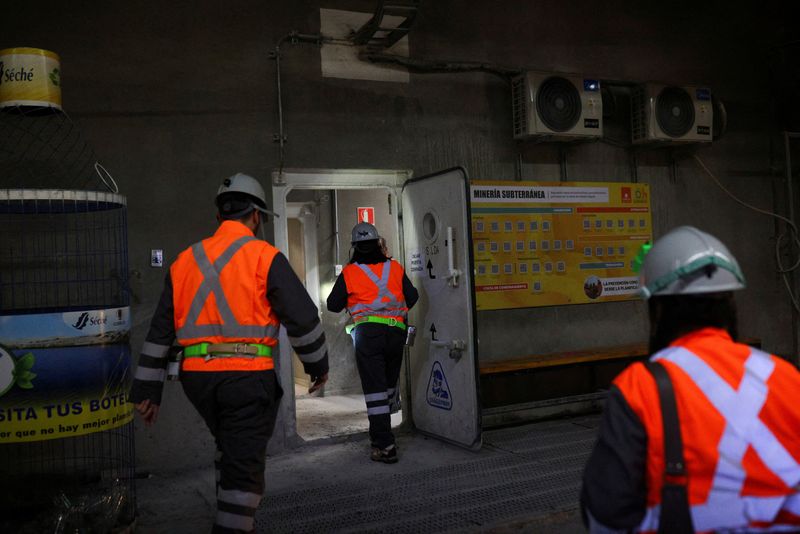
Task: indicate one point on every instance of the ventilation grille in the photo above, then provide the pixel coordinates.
(638, 114)
(519, 106)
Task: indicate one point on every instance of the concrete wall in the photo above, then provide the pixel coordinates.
(176, 95)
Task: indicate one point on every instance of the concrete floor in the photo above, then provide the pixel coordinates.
(524, 479)
(333, 416)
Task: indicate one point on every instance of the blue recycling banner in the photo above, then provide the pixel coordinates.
(63, 374)
(82, 327)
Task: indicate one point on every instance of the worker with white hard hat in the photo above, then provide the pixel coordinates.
(377, 294)
(227, 342)
(705, 436)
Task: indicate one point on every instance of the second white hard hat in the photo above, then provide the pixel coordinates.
(363, 232)
(688, 261)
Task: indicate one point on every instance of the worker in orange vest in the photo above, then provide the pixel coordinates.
(223, 300)
(378, 294)
(706, 435)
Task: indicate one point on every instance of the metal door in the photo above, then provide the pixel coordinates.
(443, 363)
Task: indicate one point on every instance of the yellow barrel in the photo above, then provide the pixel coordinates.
(30, 77)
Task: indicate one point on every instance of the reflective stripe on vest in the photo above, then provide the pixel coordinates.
(725, 507)
(378, 306)
(230, 327)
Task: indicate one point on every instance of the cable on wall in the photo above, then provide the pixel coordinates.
(424, 66)
(784, 271)
(293, 37)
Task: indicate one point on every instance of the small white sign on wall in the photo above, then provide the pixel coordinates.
(156, 257)
(415, 262)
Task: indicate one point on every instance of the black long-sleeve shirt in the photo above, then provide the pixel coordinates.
(614, 491)
(287, 297)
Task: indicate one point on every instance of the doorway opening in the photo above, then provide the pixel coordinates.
(318, 225)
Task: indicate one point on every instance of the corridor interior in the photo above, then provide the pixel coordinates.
(319, 224)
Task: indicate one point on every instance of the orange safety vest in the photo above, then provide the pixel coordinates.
(375, 290)
(220, 296)
(740, 424)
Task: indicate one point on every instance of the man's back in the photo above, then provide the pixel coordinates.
(740, 427)
(239, 262)
(223, 300)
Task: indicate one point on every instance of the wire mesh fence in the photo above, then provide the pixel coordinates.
(42, 148)
(79, 484)
(66, 438)
(62, 249)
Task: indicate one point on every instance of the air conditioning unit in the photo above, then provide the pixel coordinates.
(668, 113)
(556, 107)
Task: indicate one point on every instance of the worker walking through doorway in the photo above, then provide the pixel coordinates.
(377, 294)
(706, 435)
(223, 300)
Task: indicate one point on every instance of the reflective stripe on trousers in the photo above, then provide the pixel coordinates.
(230, 327)
(239, 408)
(377, 403)
(379, 356)
(236, 509)
(390, 307)
(725, 508)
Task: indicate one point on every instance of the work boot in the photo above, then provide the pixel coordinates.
(387, 455)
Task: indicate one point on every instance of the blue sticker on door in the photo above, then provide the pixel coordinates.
(438, 391)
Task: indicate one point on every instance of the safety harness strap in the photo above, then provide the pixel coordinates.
(675, 513)
(227, 350)
(375, 319)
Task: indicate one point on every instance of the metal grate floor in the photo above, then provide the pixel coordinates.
(527, 472)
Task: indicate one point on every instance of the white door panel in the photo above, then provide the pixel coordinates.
(443, 361)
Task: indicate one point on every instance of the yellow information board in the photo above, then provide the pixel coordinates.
(546, 244)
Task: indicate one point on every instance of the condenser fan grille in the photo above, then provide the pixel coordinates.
(674, 111)
(558, 104)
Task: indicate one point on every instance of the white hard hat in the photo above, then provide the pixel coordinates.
(242, 183)
(364, 232)
(689, 261)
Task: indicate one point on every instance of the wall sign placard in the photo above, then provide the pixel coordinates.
(366, 215)
(546, 244)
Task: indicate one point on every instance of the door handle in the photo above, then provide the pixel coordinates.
(455, 346)
(452, 272)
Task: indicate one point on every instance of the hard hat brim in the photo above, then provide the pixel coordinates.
(264, 210)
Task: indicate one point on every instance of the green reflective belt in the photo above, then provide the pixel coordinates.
(223, 350)
(374, 319)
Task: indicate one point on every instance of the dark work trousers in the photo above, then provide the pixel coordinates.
(379, 355)
(239, 408)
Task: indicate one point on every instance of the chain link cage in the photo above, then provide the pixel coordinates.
(66, 434)
(42, 148)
